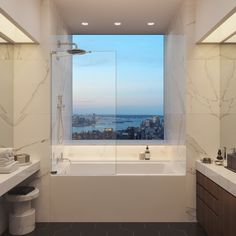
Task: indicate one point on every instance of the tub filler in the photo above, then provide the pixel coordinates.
(125, 191)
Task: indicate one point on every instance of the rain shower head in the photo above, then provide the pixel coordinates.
(77, 51)
(73, 51)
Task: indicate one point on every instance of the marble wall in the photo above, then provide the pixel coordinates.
(202, 101)
(193, 76)
(32, 106)
(6, 95)
(31, 85)
(201, 72)
(6, 110)
(174, 84)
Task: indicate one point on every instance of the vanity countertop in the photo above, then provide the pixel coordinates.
(219, 174)
(8, 181)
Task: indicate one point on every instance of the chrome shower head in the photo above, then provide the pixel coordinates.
(73, 51)
(77, 51)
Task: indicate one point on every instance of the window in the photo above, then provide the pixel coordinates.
(118, 88)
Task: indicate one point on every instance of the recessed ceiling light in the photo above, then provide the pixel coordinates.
(84, 23)
(151, 23)
(117, 23)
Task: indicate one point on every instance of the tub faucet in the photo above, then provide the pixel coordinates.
(62, 158)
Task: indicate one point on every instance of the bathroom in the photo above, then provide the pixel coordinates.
(88, 183)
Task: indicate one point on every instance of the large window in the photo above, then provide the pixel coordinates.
(118, 88)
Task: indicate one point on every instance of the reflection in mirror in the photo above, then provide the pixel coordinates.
(6, 95)
(228, 96)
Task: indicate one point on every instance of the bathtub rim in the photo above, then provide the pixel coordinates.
(129, 162)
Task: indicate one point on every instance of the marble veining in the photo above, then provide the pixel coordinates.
(191, 141)
(23, 111)
(210, 99)
(228, 99)
(5, 117)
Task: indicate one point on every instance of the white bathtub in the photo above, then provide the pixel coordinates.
(109, 168)
(147, 191)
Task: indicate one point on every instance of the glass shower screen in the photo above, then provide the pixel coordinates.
(84, 112)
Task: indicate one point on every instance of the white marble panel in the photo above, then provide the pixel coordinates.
(6, 96)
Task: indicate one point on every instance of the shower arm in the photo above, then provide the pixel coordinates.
(59, 44)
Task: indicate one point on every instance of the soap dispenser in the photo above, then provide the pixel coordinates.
(219, 159)
(147, 154)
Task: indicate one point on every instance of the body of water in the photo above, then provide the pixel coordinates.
(119, 122)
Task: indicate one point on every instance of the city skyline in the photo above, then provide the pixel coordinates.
(122, 75)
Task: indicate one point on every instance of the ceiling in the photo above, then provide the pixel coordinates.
(133, 14)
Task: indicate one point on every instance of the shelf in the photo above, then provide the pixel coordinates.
(9, 181)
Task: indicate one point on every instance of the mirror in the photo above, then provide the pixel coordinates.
(228, 96)
(6, 95)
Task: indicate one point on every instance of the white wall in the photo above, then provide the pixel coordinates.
(32, 109)
(32, 90)
(6, 111)
(201, 94)
(209, 13)
(202, 91)
(174, 100)
(26, 13)
(6, 95)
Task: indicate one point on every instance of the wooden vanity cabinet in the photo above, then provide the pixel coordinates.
(208, 205)
(216, 208)
(228, 214)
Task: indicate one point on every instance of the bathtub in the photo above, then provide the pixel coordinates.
(109, 184)
(110, 168)
(125, 191)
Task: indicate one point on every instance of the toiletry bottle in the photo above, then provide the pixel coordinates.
(147, 154)
(219, 155)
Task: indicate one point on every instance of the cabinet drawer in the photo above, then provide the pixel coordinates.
(208, 185)
(212, 224)
(207, 219)
(228, 213)
(208, 199)
(200, 212)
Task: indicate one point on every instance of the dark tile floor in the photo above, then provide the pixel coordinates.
(117, 229)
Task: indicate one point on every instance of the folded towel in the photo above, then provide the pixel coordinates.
(6, 163)
(3, 154)
(5, 159)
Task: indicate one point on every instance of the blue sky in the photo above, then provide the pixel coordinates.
(122, 75)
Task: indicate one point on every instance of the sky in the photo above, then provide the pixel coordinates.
(123, 75)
